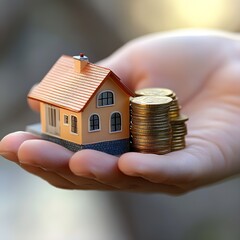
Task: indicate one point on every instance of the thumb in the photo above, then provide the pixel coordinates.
(196, 165)
(122, 63)
(34, 104)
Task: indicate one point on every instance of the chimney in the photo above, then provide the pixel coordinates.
(80, 62)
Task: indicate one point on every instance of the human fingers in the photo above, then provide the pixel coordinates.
(104, 169)
(10, 144)
(9, 147)
(172, 60)
(120, 66)
(51, 177)
(54, 160)
(99, 166)
(198, 164)
(34, 105)
(89, 169)
(45, 154)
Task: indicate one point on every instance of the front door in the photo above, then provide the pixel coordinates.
(52, 120)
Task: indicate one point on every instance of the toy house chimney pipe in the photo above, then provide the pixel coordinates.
(80, 62)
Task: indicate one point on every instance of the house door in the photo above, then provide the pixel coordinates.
(52, 120)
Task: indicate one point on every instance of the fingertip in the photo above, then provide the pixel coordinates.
(43, 153)
(80, 162)
(12, 141)
(92, 164)
(116, 62)
(10, 144)
(175, 166)
(34, 104)
(129, 163)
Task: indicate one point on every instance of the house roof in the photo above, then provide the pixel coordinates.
(65, 88)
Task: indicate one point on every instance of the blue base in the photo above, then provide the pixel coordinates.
(116, 147)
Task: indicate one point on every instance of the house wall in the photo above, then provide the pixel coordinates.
(121, 105)
(65, 132)
(43, 116)
(65, 129)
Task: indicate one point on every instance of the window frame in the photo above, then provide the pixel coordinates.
(89, 123)
(65, 116)
(105, 105)
(71, 125)
(110, 122)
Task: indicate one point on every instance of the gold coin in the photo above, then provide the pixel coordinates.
(149, 110)
(178, 134)
(145, 112)
(150, 107)
(150, 135)
(178, 148)
(178, 125)
(173, 110)
(156, 138)
(178, 142)
(153, 125)
(152, 149)
(158, 148)
(179, 128)
(152, 143)
(173, 116)
(181, 119)
(176, 138)
(151, 122)
(151, 100)
(152, 140)
(152, 152)
(154, 92)
(151, 118)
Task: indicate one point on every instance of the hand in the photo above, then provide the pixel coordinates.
(203, 68)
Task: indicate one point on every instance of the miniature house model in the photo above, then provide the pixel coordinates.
(83, 105)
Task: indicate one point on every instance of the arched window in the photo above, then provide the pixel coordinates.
(116, 122)
(94, 123)
(105, 98)
(74, 124)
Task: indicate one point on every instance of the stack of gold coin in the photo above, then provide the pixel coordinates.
(174, 110)
(179, 130)
(150, 127)
(176, 120)
(154, 92)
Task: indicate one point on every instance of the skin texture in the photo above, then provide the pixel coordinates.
(203, 68)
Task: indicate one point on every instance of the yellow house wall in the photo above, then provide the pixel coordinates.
(121, 105)
(65, 130)
(43, 117)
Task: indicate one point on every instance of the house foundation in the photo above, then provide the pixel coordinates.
(115, 147)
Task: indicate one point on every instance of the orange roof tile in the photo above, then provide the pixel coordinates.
(64, 87)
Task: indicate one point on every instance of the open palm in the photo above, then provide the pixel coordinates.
(203, 68)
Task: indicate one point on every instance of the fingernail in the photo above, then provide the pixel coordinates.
(86, 175)
(9, 155)
(29, 164)
(25, 165)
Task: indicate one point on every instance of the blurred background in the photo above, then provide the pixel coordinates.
(33, 36)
